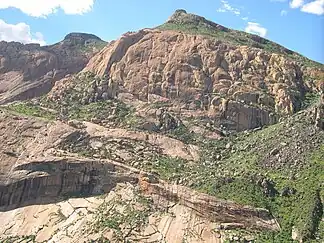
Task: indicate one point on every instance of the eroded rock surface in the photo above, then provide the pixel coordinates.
(38, 177)
(179, 66)
(30, 70)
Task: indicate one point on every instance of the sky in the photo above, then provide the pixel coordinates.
(295, 24)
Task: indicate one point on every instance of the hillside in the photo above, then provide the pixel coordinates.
(31, 70)
(193, 24)
(188, 132)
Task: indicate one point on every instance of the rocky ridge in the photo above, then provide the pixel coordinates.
(31, 70)
(190, 67)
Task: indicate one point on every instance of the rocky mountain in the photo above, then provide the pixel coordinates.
(30, 70)
(189, 56)
(187, 132)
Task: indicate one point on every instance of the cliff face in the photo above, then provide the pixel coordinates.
(28, 71)
(174, 62)
(160, 61)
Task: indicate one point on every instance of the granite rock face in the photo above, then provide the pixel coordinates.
(174, 64)
(40, 175)
(30, 70)
(188, 68)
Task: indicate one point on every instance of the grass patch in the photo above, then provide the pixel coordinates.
(168, 168)
(309, 100)
(29, 109)
(240, 190)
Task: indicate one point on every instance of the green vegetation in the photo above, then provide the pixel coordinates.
(235, 37)
(77, 102)
(310, 99)
(112, 110)
(97, 46)
(168, 168)
(303, 210)
(30, 109)
(202, 29)
(26, 239)
(124, 217)
(234, 167)
(183, 134)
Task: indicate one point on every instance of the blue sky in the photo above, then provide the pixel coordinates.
(295, 24)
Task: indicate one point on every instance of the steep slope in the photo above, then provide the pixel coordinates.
(200, 58)
(193, 24)
(28, 71)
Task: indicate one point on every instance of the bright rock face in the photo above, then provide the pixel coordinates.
(159, 60)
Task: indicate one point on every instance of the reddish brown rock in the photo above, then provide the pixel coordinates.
(30, 70)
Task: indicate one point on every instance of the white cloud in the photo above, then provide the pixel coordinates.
(283, 12)
(221, 10)
(245, 18)
(19, 32)
(315, 7)
(296, 3)
(43, 8)
(226, 7)
(256, 28)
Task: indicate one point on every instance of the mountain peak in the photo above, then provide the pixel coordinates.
(81, 38)
(181, 16)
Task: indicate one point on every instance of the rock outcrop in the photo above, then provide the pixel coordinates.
(88, 219)
(30, 70)
(41, 172)
(207, 206)
(319, 113)
(180, 66)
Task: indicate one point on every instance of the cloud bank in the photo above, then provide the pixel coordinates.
(43, 8)
(296, 3)
(19, 32)
(313, 7)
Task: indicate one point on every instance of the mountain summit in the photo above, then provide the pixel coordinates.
(81, 38)
(181, 16)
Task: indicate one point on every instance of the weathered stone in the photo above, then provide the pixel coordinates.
(32, 70)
